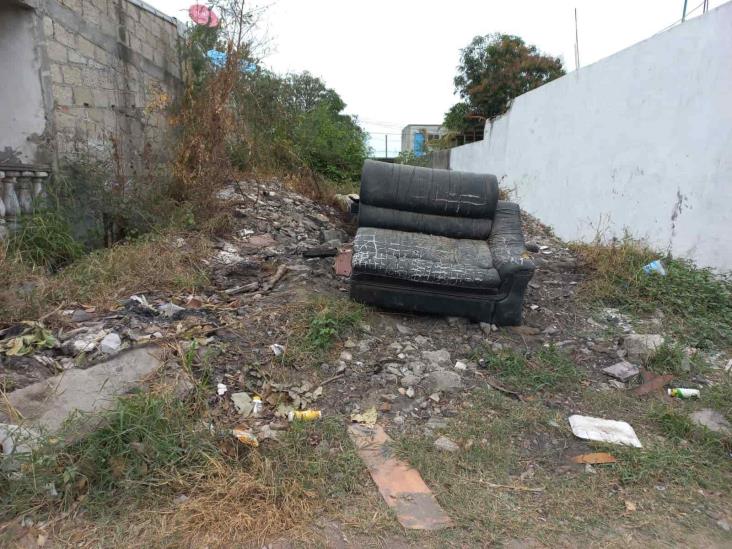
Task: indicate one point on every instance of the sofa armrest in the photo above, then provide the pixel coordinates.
(506, 242)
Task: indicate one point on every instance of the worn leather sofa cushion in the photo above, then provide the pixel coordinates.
(475, 228)
(421, 258)
(428, 191)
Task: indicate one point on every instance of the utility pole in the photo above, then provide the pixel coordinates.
(576, 42)
(683, 15)
(386, 145)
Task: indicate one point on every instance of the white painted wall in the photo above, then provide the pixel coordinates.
(641, 140)
(22, 118)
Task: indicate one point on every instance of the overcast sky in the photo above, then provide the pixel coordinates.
(393, 61)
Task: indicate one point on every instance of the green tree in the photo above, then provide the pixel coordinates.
(496, 68)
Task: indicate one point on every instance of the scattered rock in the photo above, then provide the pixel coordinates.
(437, 358)
(443, 381)
(328, 235)
(402, 329)
(436, 423)
(460, 365)
(446, 445)
(532, 247)
(410, 392)
(485, 328)
(80, 315)
(640, 347)
(622, 371)
(712, 420)
(724, 525)
(110, 344)
(346, 356)
(243, 403)
(435, 397)
(409, 380)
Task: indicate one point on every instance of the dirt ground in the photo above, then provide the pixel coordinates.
(512, 481)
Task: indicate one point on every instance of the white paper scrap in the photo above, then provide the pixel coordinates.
(604, 430)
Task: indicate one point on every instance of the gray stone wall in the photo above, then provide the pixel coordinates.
(106, 69)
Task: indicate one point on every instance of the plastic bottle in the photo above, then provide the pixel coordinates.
(683, 393)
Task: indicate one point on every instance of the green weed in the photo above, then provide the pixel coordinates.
(549, 368)
(45, 240)
(318, 325)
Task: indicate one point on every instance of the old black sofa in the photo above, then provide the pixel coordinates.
(439, 241)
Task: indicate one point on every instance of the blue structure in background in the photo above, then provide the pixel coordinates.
(418, 145)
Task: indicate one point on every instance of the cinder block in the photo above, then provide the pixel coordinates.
(72, 75)
(56, 52)
(83, 96)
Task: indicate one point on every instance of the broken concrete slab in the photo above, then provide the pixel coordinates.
(712, 420)
(48, 403)
(400, 485)
(640, 347)
(622, 370)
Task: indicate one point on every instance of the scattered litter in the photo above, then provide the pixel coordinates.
(652, 383)
(595, 458)
(446, 445)
(728, 366)
(140, 302)
(604, 430)
(245, 436)
(622, 371)
(33, 337)
(681, 392)
(304, 415)
(221, 389)
(257, 406)
(170, 310)
(399, 484)
(534, 307)
(655, 267)
(202, 15)
(712, 420)
(367, 418)
(277, 349)
(243, 403)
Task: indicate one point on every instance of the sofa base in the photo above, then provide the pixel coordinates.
(503, 309)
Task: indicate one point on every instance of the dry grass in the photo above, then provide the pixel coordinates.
(155, 263)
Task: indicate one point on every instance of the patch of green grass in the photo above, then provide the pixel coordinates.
(696, 303)
(549, 368)
(45, 240)
(318, 326)
(320, 456)
(140, 447)
(719, 397)
(671, 358)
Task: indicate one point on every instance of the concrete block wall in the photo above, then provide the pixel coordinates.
(639, 141)
(105, 68)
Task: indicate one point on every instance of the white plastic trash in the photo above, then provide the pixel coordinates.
(604, 430)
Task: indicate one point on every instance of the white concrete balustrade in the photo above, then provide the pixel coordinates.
(22, 191)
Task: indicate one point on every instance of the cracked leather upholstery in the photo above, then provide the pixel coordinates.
(424, 258)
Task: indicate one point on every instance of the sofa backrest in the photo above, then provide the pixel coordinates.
(424, 200)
